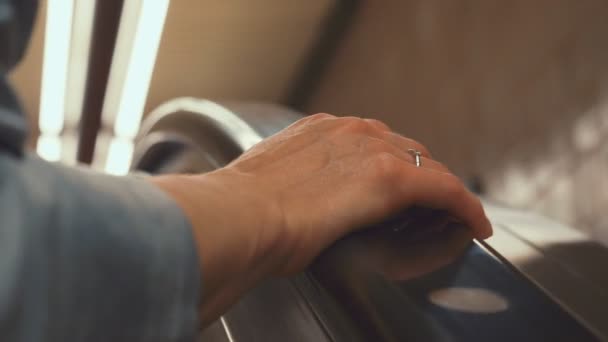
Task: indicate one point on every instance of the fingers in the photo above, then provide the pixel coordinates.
(446, 192)
(310, 119)
(379, 125)
(428, 255)
(397, 256)
(409, 186)
(430, 185)
(427, 163)
(378, 145)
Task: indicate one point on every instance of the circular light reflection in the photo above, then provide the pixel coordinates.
(470, 300)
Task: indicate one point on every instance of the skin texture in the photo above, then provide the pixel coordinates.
(278, 206)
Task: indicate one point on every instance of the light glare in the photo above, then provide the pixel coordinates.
(48, 147)
(141, 66)
(55, 65)
(119, 156)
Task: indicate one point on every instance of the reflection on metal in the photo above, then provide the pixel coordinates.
(471, 300)
(165, 151)
(226, 121)
(214, 333)
(383, 284)
(218, 133)
(226, 329)
(562, 261)
(395, 305)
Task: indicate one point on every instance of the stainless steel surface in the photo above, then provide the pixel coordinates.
(390, 301)
(225, 130)
(215, 333)
(553, 274)
(563, 261)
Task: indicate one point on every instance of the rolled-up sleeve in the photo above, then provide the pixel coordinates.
(91, 257)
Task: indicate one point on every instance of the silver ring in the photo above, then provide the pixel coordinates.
(417, 156)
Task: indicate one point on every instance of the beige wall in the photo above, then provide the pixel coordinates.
(235, 50)
(502, 89)
(471, 78)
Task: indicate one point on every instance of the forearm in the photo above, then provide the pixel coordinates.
(233, 232)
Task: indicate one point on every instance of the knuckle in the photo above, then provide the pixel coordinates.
(319, 116)
(355, 125)
(378, 124)
(312, 121)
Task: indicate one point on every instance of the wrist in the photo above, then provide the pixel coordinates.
(236, 232)
(252, 211)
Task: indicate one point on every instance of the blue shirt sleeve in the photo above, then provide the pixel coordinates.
(92, 257)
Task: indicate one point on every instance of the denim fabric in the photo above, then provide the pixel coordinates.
(92, 257)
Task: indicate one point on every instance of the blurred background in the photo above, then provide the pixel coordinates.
(511, 95)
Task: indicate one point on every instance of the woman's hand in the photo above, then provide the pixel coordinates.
(274, 209)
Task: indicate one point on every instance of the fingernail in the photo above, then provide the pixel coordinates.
(489, 231)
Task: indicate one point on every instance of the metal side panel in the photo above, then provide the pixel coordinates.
(562, 261)
(274, 311)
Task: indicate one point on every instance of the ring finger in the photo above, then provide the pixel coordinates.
(377, 145)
